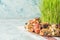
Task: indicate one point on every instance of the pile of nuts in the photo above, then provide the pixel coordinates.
(42, 28)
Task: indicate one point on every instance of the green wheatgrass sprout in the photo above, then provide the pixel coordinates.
(50, 10)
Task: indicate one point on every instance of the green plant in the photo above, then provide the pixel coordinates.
(50, 10)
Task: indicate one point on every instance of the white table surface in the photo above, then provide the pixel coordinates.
(11, 29)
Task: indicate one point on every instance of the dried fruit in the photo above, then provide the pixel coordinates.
(37, 30)
(44, 25)
(30, 30)
(44, 29)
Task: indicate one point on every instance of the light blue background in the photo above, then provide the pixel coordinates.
(14, 14)
(19, 9)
